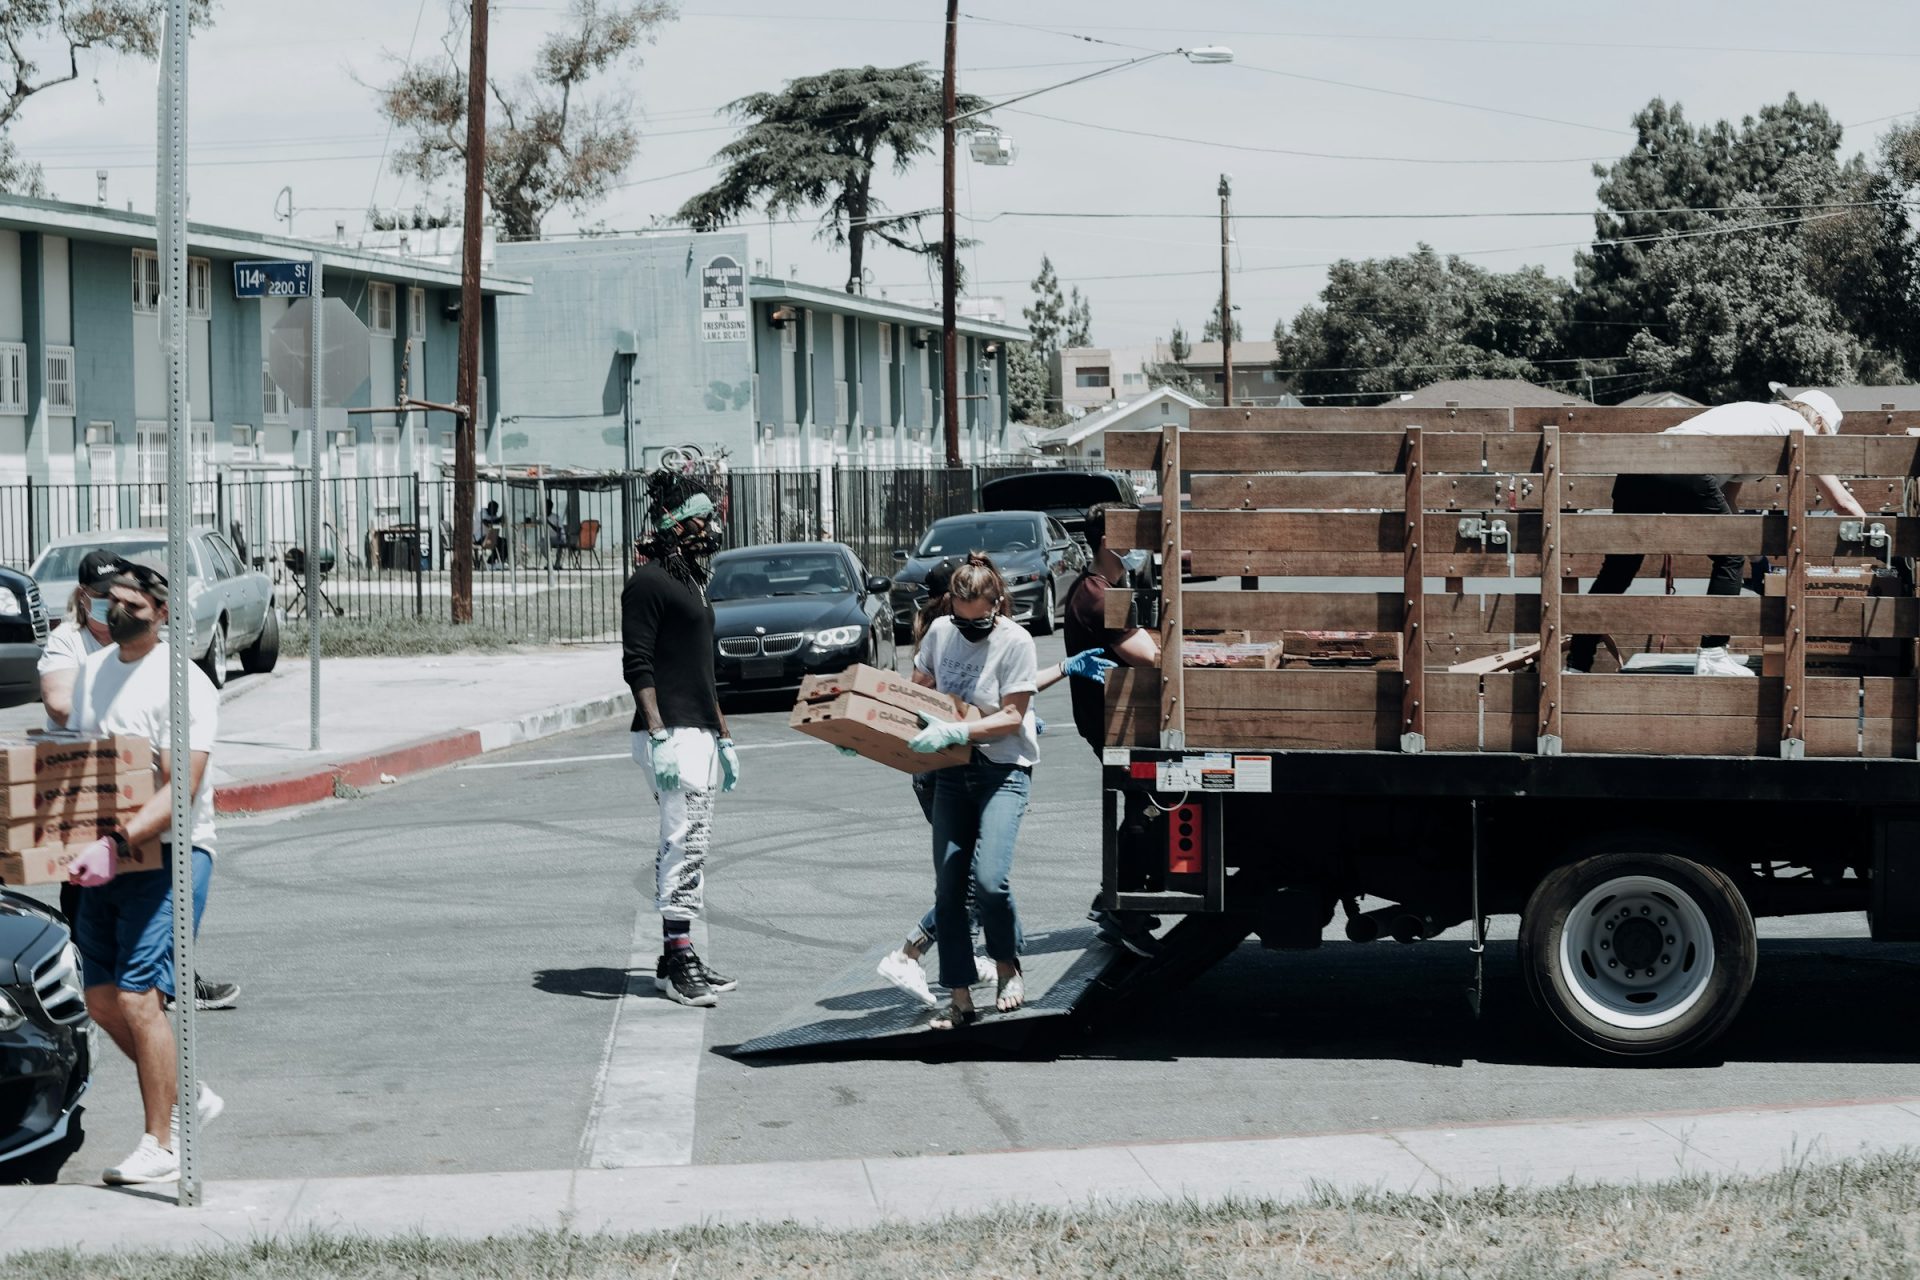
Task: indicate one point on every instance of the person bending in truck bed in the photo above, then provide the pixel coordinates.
(1706, 495)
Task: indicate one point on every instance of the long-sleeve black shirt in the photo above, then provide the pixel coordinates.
(666, 632)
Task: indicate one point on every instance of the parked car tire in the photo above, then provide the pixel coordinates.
(1043, 614)
(1679, 926)
(259, 657)
(215, 661)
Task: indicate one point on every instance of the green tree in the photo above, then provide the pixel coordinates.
(1047, 318)
(1393, 324)
(1177, 345)
(40, 46)
(815, 145)
(1079, 331)
(1028, 383)
(1214, 328)
(551, 141)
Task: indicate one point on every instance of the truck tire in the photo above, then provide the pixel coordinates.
(1638, 955)
(260, 657)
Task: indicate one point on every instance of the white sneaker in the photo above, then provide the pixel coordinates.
(1718, 662)
(206, 1109)
(150, 1162)
(905, 973)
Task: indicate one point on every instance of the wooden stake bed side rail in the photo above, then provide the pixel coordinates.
(1521, 496)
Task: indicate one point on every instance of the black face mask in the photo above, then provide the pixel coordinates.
(974, 629)
(122, 625)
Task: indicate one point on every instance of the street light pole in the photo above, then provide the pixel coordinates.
(949, 337)
(1226, 297)
(467, 395)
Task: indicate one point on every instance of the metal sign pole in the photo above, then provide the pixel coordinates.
(316, 306)
(170, 226)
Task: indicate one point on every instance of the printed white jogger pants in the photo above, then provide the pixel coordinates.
(686, 822)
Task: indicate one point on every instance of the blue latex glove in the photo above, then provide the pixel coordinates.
(666, 763)
(938, 736)
(848, 752)
(729, 764)
(1039, 726)
(1089, 665)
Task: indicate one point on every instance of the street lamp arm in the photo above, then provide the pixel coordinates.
(1091, 75)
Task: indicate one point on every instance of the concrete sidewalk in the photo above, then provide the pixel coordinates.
(392, 717)
(856, 1193)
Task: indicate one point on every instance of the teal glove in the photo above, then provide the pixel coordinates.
(848, 752)
(666, 762)
(729, 764)
(938, 736)
(1089, 665)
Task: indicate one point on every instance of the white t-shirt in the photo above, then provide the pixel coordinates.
(111, 696)
(67, 647)
(1744, 418)
(985, 674)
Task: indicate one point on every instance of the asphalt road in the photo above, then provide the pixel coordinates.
(431, 974)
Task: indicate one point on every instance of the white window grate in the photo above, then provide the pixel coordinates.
(417, 314)
(13, 377)
(146, 280)
(60, 392)
(199, 287)
(380, 310)
(840, 402)
(273, 401)
(926, 408)
(886, 343)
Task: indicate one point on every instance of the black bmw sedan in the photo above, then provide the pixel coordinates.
(45, 1045)
(1030, 548)
(785, 611)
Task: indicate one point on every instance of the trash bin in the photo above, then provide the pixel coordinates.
(399, 549)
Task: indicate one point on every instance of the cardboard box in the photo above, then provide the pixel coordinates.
(75, 796)
(875, 729)
(48, 865)
(1255, 655)
(1378, 650)
(1838, 580)
(886, 686)
(1841, 658)
(45, 757)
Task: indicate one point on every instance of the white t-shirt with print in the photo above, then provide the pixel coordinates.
(67, 647)
(111, 696)
(985, 673)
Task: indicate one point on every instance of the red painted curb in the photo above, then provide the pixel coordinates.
(290, 789)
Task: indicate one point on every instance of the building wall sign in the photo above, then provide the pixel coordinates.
(723, 300)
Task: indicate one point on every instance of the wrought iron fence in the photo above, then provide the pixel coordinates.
(876, 511)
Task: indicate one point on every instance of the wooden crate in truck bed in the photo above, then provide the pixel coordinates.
(1414, 495)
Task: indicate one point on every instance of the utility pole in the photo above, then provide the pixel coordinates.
(1226, 297)
(467, 395)
(949, 338)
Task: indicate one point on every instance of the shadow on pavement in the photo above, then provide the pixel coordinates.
(42, 1168)
(593, 983)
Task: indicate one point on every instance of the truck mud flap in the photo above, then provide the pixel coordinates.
(1060, 968)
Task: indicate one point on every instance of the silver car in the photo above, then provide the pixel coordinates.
(232, 606)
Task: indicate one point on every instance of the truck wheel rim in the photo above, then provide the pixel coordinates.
(1637, 952)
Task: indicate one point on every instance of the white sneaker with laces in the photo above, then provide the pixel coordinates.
(905, 973)
(206, 1108)
(1718, 662)
(149, 1162)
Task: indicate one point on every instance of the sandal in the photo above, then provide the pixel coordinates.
(1010, 992)
(951, 1016)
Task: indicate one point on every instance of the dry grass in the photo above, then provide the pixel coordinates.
(1856, 1219)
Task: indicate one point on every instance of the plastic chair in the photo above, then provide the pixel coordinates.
(587, 539)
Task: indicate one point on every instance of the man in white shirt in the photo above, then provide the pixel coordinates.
(124, 927)
(1706, 495)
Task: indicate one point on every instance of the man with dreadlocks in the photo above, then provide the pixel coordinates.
(679, 733)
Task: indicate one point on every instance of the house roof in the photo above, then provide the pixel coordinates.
(1111, 416)
(1487, 393)
(1870, 398)
(1245, 354)
(769, 289)
(113, 226)
(1661, 400)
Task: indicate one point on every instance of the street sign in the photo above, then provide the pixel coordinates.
(723, 301)
(344, 362)
(272, 280)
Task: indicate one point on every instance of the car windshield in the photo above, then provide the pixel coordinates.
(803, 574)
(62, 564)
(993, 536)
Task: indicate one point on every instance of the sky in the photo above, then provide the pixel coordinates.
(1431, 94)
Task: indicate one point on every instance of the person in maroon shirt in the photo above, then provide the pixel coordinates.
(1129, 645)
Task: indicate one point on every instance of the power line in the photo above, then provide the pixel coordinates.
(1111, 214)
(1445, 102)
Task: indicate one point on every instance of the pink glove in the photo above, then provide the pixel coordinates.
(94, 866)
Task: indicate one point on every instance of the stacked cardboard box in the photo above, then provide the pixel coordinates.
(876, 713)
(61, 792)
(1229, 650)
(1379, 650)
(1840, 580)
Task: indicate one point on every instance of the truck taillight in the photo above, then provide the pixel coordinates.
(1183, 840)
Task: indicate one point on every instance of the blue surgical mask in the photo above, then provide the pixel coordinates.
(97, 609)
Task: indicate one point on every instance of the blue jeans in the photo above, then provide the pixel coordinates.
(976, 821)
(124, 930)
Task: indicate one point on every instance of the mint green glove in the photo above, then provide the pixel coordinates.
(938, 736)
(848, 752)
(729, 764)
(666, 762)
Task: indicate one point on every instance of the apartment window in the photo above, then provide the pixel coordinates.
(60, 381)
(146, 280)
(1132, 379)
(380, 310)
(886, 343)
(273, 401)
(199, 287)
(1090, 376)
(790, 335)
(386, 469)
(417, 315)
(13, 377)
(1270, 376)
(243, 447)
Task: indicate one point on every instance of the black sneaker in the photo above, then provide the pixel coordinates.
(716, 981)
(1132, 930)
(211, 995)
(679, 977)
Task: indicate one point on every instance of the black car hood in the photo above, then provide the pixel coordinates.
(914, 571)
(778, 614)
(27, 934)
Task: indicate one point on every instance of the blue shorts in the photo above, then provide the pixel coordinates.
(124, 928)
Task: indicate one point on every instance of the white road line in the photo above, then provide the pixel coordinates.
(643, 1103)
(621, 755)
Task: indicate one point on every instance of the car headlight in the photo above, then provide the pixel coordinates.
(837, 637)
(1021, 579)
(10, 1015)
(11, 605)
